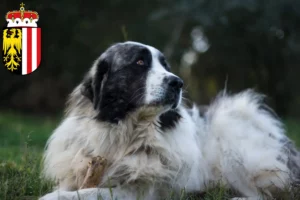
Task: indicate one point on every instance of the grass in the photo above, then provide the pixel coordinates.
(22, 139)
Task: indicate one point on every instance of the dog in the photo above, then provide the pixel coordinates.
(129, 110)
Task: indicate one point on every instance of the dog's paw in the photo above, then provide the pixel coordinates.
(96, 168)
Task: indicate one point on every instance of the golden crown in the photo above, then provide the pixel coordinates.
(22, 17)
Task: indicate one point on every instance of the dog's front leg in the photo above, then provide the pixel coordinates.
(87, 171)
(94, 174)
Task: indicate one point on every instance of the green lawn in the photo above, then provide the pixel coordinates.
(22, 139)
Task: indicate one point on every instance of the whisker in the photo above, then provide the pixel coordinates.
(136, 96)
(141, 97)
(144, 87)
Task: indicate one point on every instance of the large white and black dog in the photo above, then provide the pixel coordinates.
(128, 109)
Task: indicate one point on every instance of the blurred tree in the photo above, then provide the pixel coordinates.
(249, 43)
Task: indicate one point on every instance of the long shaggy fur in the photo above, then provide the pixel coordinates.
(237, 142)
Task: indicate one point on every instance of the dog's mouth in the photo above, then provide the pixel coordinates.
(171, 99)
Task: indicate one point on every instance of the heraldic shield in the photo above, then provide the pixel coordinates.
(21, 50)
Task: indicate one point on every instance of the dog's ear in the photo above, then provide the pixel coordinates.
(92, 84)
(101, 72)
(86, 89)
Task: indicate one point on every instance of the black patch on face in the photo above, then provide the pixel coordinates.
(164, 62)
(119, 84)
(169, 120)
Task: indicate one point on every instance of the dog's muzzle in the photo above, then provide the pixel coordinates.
(173, 90)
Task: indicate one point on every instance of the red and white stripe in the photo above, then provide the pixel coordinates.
(31, 49)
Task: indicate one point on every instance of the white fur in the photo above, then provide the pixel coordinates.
(231, 145)
(235, 144)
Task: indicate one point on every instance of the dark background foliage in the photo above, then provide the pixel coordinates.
(210, 43)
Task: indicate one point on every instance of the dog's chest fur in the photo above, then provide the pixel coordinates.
(140, 149)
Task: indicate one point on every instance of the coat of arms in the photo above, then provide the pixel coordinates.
(21, 41)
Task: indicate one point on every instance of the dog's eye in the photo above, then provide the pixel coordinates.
(140, 62)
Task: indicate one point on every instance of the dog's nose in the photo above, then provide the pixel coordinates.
(175, 82)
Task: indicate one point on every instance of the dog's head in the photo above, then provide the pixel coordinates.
(129, 76)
